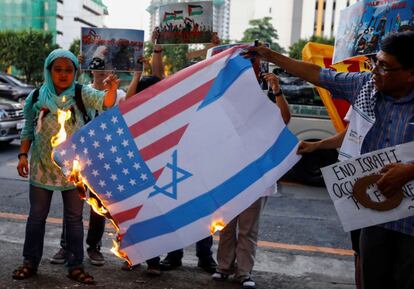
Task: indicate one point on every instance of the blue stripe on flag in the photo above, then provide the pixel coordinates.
(209, 202)
(233, 69)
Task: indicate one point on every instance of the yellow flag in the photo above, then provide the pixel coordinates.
(321, 54)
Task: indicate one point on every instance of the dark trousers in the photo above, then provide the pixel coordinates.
(203, 250)
(95, 231)
(387, 259)
(153, 262)
(35, 228)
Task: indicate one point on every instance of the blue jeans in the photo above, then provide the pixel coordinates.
(35, 227)
(95, 231)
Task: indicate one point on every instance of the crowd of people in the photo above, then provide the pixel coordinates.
(382, 99)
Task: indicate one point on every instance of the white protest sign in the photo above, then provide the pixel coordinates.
(341, 177)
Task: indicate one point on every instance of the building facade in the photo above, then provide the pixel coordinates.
(221, 12)
(63, 18)
(293, 20)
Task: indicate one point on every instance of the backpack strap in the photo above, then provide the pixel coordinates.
(35, 96)
(80, 104)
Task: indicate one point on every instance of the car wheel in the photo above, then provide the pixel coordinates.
(308, 169)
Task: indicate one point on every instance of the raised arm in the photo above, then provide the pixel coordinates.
(156, 62)
(157, 65)
(307, 71)
(132, 88)
(280, 100)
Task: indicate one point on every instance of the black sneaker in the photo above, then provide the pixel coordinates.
(169, 264)
(95, 257)
(207, 264)
(59, 257)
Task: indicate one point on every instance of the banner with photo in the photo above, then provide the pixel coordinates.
(112, 49)
(364, 24)
(186, 23)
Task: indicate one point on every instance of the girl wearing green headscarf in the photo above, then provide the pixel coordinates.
(57, 92)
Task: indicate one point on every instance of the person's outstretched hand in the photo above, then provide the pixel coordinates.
(257, 51)
(111, 82)
(273, 81)
(81, 59)
(395, 176)
(306, 147)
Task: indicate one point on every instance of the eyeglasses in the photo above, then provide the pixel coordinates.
(382, 69)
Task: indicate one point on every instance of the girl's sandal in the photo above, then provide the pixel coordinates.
(23, 272)
(79, 275)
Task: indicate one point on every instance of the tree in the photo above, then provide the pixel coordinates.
(295, 50)
(263, 30)
(75, 46)
(174, 56)
(7, 43)
(31, 51)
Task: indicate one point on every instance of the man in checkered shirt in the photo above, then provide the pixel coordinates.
(385, 98)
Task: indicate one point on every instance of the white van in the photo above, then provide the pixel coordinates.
(310, 122)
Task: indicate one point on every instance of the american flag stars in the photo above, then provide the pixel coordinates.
(110, 160)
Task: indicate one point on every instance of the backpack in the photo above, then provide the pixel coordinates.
(78, 100)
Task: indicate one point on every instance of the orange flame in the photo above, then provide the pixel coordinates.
(61, 135)
(217, 226)
(116, 250)
(81, 183)
(95, 206)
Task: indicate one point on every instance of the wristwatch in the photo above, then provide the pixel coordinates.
(279, 93)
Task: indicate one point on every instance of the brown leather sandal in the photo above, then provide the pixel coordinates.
(23, 272)
(79, 275)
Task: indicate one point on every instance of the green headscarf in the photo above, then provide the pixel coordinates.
(47, 93)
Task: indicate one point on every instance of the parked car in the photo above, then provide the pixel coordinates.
(11, 120)
(13, 88)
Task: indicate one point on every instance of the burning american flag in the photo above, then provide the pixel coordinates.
(183, 156)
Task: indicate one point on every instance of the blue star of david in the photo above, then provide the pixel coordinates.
(175, 179)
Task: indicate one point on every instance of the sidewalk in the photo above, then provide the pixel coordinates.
(274, 269)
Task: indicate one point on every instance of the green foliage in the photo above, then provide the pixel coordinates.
(174, 56)
(295, 50)
(7, 42)
(26, 50)
(263, 30)
(75, 46)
